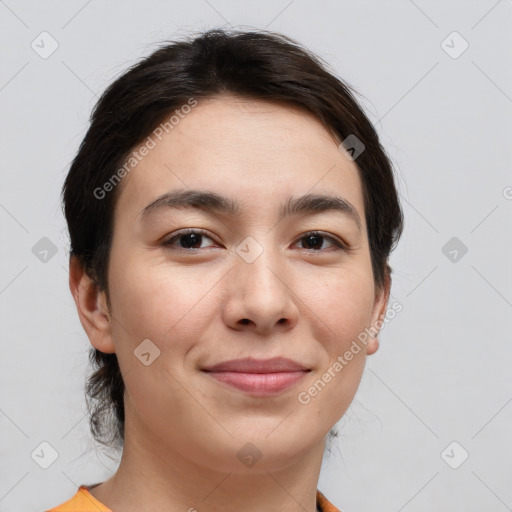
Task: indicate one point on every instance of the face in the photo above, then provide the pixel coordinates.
(192, 287)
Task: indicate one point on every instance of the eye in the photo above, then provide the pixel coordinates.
(191, 239)
(313, 241)
(187, 239)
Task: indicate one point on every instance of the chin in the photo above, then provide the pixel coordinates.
(258, 449)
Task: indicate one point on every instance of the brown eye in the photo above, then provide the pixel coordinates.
(314, 240)
(188, 239)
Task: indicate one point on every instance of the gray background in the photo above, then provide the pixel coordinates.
(442, 373)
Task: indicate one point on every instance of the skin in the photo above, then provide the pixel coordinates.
(184, 428)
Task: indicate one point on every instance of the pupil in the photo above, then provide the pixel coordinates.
(311, 240)
(188, 240)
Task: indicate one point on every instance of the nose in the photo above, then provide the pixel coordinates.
(260, 295)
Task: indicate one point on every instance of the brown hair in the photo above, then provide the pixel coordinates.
(257, 64)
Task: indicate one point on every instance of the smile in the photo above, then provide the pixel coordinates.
(259, 384)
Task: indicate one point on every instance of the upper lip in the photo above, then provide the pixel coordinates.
(252, 365)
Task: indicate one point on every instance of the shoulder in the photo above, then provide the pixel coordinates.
(82, 501)
(323, 504)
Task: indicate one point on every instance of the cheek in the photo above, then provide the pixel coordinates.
(170, 308)
(342, 304)
(160, 302)
(340, 310)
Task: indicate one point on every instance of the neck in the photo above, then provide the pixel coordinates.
(153, 475)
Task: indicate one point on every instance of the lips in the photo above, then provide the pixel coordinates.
(252, 365)
(258, 377)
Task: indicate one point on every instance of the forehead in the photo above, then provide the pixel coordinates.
(256, 151)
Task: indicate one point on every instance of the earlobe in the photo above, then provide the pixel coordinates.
(378, 315)
(373, 345)
(91, 306)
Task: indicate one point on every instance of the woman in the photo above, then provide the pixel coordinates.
(231, 214)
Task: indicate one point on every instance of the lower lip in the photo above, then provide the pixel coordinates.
(261, 384)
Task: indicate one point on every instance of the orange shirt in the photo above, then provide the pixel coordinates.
(84, 501)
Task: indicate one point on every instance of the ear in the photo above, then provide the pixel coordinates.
(92, 307)
(378, 315)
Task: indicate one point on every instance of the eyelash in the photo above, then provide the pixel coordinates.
(170, 241)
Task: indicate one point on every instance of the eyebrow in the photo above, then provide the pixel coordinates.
(212, 202)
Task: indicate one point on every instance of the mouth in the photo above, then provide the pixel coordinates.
(258, 377)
